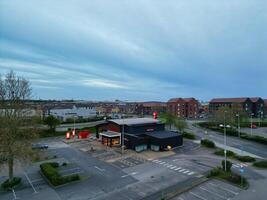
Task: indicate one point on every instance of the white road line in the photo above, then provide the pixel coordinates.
(196, 195)
(223, 188)
(191, 173)
(185, 172)
(27, 177)
(182, 170)
(214, 193)
(154, 160)
(14, 194)
(133, 173)
(100, 169)
(175, 160)
(173, 167)
(177, 168)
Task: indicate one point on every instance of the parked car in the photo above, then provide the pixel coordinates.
(253, 126)
(39, 146)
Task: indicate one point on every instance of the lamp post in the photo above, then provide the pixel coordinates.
(238, 121)
(251, 123)
(122, 137)
(224, 126)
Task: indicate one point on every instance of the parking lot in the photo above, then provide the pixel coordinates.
(211, 190)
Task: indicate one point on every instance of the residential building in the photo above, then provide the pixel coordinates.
(183, 107)
(148, 108)
(253, 105)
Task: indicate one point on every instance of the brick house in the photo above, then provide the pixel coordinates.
(147, 108)
(183, 107)
(253, 105)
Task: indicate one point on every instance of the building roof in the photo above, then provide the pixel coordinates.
(134, 121)
(229, 100)
(162, 134)
(255, 99)
(154, 104)
(265, 101)
(110, 134)
(173, 100)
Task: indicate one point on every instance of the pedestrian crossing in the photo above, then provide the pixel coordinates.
(174, 167)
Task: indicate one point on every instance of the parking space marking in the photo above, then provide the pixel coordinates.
(223, 188)
(196, 195)
(27, 177)
(133, 173)
(214, 193)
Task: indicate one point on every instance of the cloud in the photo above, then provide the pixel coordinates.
(138, 50)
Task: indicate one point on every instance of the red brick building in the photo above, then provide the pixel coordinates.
(147, 108)
(183, 107)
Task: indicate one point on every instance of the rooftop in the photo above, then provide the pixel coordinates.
(162, 134)
(110, 134)
(134, 121)
(226, 100)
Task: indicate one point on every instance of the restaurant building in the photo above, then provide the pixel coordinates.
(138, 134)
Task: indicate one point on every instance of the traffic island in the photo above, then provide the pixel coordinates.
(229, 176)
(53, 177)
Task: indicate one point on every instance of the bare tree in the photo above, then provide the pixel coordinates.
(17, 127)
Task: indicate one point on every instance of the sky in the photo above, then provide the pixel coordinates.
(139, 50)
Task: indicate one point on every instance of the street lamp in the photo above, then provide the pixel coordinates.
(122, 136)
(224, 126)
(238, 118)
(251, 123)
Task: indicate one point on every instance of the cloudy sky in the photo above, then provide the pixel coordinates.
(136, 49)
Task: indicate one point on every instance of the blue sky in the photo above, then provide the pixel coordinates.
(136, 50)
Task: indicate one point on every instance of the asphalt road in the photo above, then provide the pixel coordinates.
(248, 146)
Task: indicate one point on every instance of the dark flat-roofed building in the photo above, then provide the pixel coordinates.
(140, 134)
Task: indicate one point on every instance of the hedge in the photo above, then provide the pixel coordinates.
(188, 135)
(220, 152)
(245, 158)
(208, 143)
(10, 184)
(261, 164)
(50, 172)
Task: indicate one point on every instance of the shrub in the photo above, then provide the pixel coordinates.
(208, 143)
(214, 172)
(228, 165)
(49, 170)
(261, 164)
(220, 152)
(190, 136)
(245, 158)
(64, 164)
(10, 184)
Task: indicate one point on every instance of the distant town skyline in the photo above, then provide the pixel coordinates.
(136, 50)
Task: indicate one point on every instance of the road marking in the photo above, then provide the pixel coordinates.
(180, 198)
(185, 172)
(173, 167)
(191, 173)
(225, 189)
(133, 173)
(154, 160)
(182, 170)
(216, 194)
(100, 169)
(196, 195)
(14, 194)
(27, 177)
(177, 168)
(175, 160)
